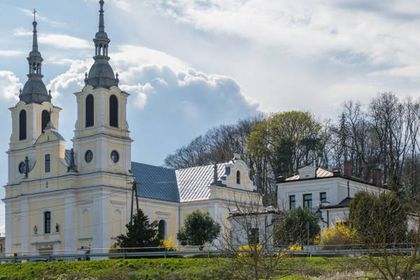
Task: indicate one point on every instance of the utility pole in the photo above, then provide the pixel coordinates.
(134, 195)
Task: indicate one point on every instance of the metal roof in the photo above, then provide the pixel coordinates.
(194, 183)
(155, 182)
(183, 185)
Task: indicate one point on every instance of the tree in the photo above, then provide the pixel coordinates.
(140, 233)
(297, 226)
(217, 145)
(199, 228)
(248, 241)
(282, 143)
(378, 219)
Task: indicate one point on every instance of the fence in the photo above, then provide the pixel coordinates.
(160, 252)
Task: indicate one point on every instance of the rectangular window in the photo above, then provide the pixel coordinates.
(307, 200)
(323, 197)
(254, 236)
(292, 202)
(47, 222)
(47, 163)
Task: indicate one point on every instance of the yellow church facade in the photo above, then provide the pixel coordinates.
(62, 201)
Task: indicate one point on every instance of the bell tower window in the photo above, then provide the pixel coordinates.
(46, 118)
(113, 111)
(90, 111)
(22, 125)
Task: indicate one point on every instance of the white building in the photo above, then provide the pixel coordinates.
(328, 193)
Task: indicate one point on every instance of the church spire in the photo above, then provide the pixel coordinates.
(101, 73)
(101, 17)
(34, 90)
(35, 35)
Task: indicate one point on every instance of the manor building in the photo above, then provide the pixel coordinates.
(61, 201)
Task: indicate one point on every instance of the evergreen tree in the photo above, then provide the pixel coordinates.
(140, 233)
(379, 219)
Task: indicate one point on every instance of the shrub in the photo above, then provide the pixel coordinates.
(339, 236)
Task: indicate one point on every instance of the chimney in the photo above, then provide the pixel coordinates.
(348, 168)
(376, 177)
(280, 179)
(336, 172)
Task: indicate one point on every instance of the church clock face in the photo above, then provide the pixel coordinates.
(22, 167)
(115, 156)
(88, 156)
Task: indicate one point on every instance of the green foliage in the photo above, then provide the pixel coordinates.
(378, 219)
(288, 140)
(296, 226)
(141, 233)
(173, 269)
(199, 228)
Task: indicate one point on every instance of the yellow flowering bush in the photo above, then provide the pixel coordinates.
(168, 244)
(339, 236)
(295, 247)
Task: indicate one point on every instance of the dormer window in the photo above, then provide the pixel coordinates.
(238, 177)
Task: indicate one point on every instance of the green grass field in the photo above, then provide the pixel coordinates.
(176, 269)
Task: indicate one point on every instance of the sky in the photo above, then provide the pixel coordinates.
(190, 65)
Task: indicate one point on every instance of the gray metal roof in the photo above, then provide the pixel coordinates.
(155, 182)
(194, 183)
(183, 185)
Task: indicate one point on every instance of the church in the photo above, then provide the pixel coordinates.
(64, 201)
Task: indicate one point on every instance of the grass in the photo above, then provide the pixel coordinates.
(171, 269)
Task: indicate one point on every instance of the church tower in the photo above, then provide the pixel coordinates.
(102, 141)
(31, 115)
(102, 145)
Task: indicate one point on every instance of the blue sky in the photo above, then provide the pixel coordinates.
(193, 64)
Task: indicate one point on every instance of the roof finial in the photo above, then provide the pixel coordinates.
(101, 17)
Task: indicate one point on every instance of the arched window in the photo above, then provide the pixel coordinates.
(113, 111)
(22, 125)
(90, 111)
(47, 222)
(162, 229)
(45, 119)
(238, 177)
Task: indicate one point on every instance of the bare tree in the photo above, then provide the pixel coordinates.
(248, 241)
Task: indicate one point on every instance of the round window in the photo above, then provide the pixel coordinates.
(88, 156)
(115, 156)
(22, 167)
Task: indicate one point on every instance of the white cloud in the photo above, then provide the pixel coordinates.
(9, 86)
(74, 76)
(10, 53)
(39, 17)
(61, 41)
